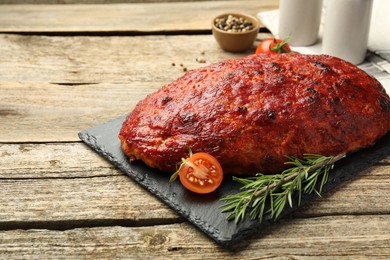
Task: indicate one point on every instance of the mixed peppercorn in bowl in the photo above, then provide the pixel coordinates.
(235, 32)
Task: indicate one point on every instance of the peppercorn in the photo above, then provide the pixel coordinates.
(200, 60)
(232, 23)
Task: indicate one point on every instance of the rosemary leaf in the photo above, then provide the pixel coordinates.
(269, 194)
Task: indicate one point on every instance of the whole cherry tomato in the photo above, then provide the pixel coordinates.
(273, 46)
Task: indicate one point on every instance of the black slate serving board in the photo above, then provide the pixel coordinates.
(203, 210)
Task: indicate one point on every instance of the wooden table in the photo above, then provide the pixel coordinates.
(65, 68)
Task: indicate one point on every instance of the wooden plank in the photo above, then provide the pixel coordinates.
(136, 17)
(68, 184)
(61, 184)
(324, 237)
(52, 160)
(68, 202)
(53, 113)
(104, 59)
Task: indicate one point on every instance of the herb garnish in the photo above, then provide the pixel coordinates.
(274, 191)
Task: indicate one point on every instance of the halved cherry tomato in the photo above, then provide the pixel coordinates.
(273, 46)
(201, 173)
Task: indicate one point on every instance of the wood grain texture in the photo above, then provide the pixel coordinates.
(136, 17)
(81, 60)
(68, 184)
(53, 113)
(52, 161)
(64, 185)
(324, 237)
(68, 202)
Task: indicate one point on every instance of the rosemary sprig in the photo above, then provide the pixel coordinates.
(269, 194)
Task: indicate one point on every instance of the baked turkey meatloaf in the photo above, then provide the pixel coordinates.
(250, 113)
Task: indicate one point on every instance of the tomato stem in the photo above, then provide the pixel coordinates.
(183, 162)
(279, 47)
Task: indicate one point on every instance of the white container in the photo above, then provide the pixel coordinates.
(346, 29)
(300, 21)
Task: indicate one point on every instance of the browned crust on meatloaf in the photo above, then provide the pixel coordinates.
(251, 113)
